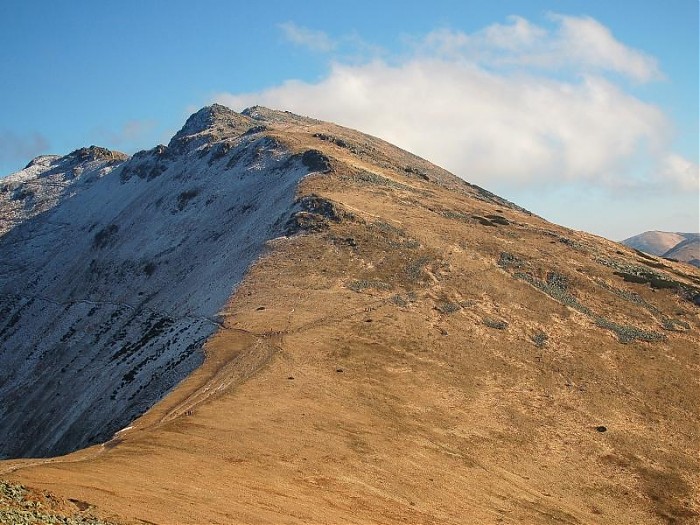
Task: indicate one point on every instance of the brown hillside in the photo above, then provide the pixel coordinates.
(655, 242)
(421, 352)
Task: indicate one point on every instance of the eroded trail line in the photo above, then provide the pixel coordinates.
(232, 373)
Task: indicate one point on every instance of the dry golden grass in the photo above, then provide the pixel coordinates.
(387, 369)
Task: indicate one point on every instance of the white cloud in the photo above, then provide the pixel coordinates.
(579, 43)
(305, 37)
(495, 108)
(586, 41)
(681, 172)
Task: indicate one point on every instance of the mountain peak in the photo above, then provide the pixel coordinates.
(42, 160)
(212, 113)
(213, 120)
(96, 153)
(263, 114)
(86, 154)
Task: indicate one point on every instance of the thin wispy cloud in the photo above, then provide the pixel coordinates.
(302, 36)
(18, 148)
(682, 172)
(130, 133)
(515, 103)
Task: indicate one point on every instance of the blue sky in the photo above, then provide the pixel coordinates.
(585, 112)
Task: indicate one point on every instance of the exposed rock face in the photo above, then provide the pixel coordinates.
(113, 273)
(209, 125)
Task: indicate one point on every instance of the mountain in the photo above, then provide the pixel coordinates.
(274, 319)
(687, 250)
(664, 244)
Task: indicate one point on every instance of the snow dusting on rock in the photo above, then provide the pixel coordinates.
(113, 271)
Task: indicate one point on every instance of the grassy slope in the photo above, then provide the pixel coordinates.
(398, 373)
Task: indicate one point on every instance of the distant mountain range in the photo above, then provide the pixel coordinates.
(684, 247)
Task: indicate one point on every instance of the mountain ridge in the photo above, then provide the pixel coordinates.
(403, 347)
(684, 247)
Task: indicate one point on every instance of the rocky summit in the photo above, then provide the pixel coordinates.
(275, 319)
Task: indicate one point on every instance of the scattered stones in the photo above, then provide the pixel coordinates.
(316, 161)
(368, 177)
(483, 220)
(667, 323)
(553, 288)
(414, 269)
(674, 325)
(417, 171)
(447, 307)
(363, 284)
(399, 301)
(105, 236)
(185, 197)
(571, 243)
(557, 280)
(642, 275)
(498, 219)
(335, 140)
(508, 260)
(315, 215)
(20, 506)
(540, 339)
(627, 334)
(498, 324)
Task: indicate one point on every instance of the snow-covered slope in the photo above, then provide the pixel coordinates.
(48, 178)
(111, 281)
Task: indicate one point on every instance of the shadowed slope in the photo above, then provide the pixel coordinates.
(108, 295)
